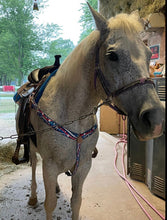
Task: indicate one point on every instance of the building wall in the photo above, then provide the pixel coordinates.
(155, 37)
(162, 47)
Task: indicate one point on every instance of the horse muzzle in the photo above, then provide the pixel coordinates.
(158, 131)
(151, 124)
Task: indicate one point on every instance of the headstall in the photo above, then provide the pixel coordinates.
(106, 86)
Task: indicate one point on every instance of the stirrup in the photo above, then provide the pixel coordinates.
(15, 159)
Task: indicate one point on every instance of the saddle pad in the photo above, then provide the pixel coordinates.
(42, 88)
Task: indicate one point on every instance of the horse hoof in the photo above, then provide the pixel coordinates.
(57, 189)
(32, 201)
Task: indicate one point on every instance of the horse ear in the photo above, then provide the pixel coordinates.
(101, 22)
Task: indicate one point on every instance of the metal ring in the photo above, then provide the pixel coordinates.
(14, 136)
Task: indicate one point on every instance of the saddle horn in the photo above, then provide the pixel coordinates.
(36, 75)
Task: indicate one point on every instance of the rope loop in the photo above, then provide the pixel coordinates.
(124, 117)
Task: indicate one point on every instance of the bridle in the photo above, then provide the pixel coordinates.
(106, 86)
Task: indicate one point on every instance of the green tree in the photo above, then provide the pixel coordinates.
(24, 45)
(86, 20)
(17, 38)
(52, 44)
(7, 62)
(62, 47)
(46, 35)
(56, 47)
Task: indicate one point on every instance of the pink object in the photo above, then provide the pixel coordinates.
(8, 88)
(129, 185)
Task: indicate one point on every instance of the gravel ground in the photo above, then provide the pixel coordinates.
(16, 185)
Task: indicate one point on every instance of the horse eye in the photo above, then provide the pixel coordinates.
(112, 56)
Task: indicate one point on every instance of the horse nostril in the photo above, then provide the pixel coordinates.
(151, 117)
(146, 118)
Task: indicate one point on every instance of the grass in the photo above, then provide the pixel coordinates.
(8, 106)
(6, 94)
(7, 152)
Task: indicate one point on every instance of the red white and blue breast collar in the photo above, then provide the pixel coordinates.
(67, 133)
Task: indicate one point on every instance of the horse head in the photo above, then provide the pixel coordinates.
(122, 64)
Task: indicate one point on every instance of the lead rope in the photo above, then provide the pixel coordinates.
(123, 176)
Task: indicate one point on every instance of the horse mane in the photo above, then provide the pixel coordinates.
(130, 24)
(83, 53)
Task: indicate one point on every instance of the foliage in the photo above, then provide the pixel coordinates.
(17, 39)
(86, 20)
(62, 47)
(46, 34)
(24, 45)
(52, 45)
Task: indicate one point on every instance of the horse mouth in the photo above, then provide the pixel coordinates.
(157, 132)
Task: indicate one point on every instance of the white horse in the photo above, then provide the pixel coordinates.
(111, 63)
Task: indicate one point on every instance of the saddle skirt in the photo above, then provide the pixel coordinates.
(27, 89)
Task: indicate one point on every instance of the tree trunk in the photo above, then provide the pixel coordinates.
(5, 80)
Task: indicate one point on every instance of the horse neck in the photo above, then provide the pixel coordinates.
(72, 89)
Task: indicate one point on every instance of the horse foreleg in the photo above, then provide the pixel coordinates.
(77, 184)
(50, 182)
(33, 199)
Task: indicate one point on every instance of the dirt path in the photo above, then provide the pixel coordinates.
(15, 190)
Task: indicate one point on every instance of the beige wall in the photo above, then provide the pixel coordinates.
(110, 121)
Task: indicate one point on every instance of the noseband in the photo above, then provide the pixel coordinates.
(106, 86)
